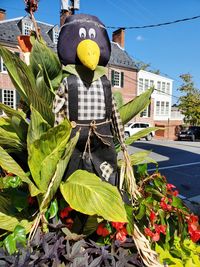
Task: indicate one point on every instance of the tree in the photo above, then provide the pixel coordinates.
(189, 103)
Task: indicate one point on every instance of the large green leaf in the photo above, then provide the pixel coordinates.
(45, 153)
(10, 112)
(139, 157)
(37, 126)
(10, 165)
(9, 139)
(24, 82)
(43, 56)
(135, 106)
(20, 74)
(61, 167)
(9, 220)
(87, 193)
(140, 134)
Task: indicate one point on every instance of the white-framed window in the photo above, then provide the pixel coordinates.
(146, 84)
(163, 87)
(140, 87)
(55, 35)
(2, 66)
(168, 88)
(8, 97)
(167, 108)
(158, 108)
(151, 83)
(162, 108)
(117, 79)
(27, 26)
(158, 85)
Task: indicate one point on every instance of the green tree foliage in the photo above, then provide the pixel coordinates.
(189, 102)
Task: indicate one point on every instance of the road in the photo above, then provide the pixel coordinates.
(179, 161)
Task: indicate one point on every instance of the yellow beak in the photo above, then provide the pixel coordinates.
(88, 53)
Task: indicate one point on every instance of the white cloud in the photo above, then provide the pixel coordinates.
(140, 38)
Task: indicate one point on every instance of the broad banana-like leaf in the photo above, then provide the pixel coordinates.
(43, 89)
(9, 220)
(140, 134)
(46, 58)
(24, 82)
(20, 74)
(45, 153)
(21, 128)
(10, 140)
(37, 126)
(135, 106)
(10, 165)
(87, 193)
(60, 170)
(10, 112)
(139, 157)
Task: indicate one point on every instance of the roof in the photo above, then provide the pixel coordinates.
(119, 57)
(10, 29)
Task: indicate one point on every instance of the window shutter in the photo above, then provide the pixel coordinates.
(149, 110)
(122, 79)
(18, 97)
(112, 77)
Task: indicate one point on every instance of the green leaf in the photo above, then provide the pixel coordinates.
(20, 235)
(10, 165)
(86, 193)
(43, 56)
(177, 202)
(37, 126)
(139, 157)
(61, 167)
(19, 73)
(142, 170)
(140, 134)
(53, 209)
(91, 225)
(10, 140)
(10, 181)
(10, 112)
(130, 225)
(142, 211)
(135, 106)
(45, 153)
(10, 244)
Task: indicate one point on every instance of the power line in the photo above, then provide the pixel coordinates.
(154, 25)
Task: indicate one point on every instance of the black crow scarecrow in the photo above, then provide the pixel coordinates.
(85, 96)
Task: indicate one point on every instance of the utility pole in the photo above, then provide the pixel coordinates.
(68, 8)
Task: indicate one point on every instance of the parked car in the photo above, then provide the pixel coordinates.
(191, 133)
(134, 127)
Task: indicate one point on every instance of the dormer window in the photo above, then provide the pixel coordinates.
(27, 26)
(55, 35)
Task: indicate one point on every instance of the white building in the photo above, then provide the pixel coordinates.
(160, 108)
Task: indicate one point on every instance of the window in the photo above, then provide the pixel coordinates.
(167, 108)
(27, 26)
(159, 86)
(140, 85)
(162, 110)
(2, 66)
(146, 84)
(55, 36)
(8, 97)
(163, 87)
(158, 108)
(117, 78)
(151, 83)
(168, 88)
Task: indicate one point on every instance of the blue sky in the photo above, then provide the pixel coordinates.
(173, 49)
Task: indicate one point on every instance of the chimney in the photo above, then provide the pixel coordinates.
(2, 14)
(118, 37)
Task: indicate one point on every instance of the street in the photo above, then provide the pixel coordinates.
(179, 161)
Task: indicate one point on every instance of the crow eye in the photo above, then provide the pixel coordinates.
(82, 32)
(92, 33)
